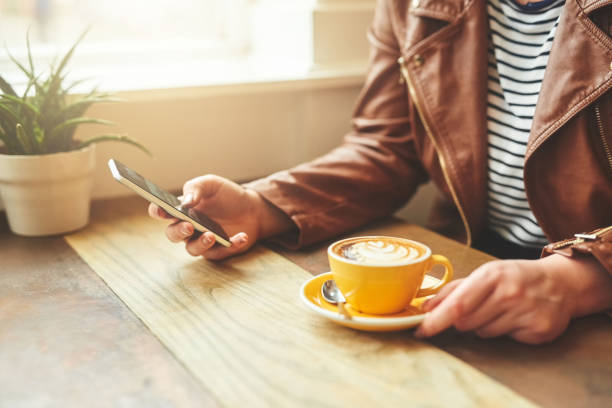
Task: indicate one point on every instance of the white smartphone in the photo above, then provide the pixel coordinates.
(168, 202)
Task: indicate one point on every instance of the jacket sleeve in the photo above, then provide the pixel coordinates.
(597, 243)
(373, 173)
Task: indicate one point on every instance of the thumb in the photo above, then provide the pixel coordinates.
(198, 189)
(240, 243)
(188, 199)
(446, 290)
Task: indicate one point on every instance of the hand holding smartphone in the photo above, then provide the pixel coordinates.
(167, 201)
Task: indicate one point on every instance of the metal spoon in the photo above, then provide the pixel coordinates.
(332, 294)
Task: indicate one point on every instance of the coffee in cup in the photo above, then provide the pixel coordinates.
(382, 275)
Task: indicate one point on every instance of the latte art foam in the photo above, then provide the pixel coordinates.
(379, 252)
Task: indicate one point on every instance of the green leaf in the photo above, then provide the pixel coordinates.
(9, 144)
(56, 78)
(29, 74)
(4, 137)
(78, 82)
(21, 103)
(32, 82)
(23, 139)
(68, 55)
(39, 139)
(74, 122)
(8, 116)
(8, 121)
(6, 87)
(79, 107)
(113, 137)
(30, 53)
(61, 134)
(10, 140)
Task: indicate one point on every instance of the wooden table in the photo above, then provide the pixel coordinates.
(66, 339)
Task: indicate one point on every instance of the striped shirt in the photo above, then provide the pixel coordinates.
(519, 44)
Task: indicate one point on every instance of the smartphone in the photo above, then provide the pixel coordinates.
(167, 201)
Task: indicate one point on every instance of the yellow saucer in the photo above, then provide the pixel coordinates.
(310, 293)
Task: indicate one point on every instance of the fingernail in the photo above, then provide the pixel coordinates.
(187, 199)
(207, 239)
(242, 239)
(186, 230)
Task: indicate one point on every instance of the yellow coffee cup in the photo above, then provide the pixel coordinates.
(382, 275)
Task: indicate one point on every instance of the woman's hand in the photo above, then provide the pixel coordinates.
(243, 214)
(530, 301)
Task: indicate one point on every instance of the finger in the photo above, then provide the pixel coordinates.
(157, 212)
(179, 231)
(527, 336)
(505, 302)
(200, 245)
(462, 301)
(199, 188)
(503, 323)
(537, 327)
(491, 309)
(431, 303)
(530, 337)
(240, 243)
(189, 199)
(480, 320)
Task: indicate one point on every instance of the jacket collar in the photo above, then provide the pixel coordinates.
(449, 10)
(578, 71)
(446, 10)
(588, 6)
(587, 72)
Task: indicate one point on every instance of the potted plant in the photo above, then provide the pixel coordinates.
(46, 174)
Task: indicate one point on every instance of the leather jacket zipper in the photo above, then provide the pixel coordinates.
(580, 238)
(602, 135)
(404, 72)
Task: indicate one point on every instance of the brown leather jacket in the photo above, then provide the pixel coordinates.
(422, 115)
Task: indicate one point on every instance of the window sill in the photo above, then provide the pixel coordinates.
(202, 77)
(208, 78)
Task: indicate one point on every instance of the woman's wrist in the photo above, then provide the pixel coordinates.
(588, 284)
(270, 219)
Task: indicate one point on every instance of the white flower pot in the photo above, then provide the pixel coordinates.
(47, 194)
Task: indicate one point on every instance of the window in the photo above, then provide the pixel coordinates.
(140, 36)
(210, 24)
(161, 44)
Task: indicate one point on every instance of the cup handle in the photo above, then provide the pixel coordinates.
(448, 275)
